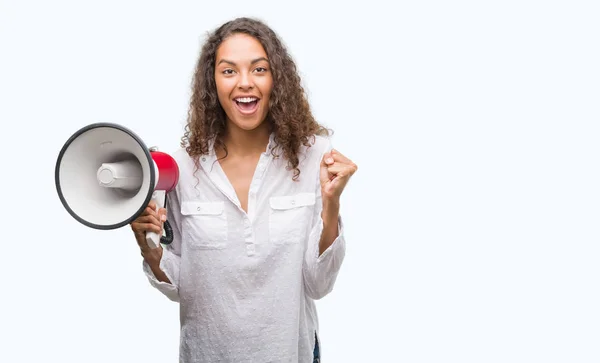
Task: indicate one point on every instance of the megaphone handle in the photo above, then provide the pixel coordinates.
(153, 239)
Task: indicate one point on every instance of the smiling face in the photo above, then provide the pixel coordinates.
(244, 81)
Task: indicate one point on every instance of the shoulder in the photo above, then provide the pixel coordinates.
(180, 154)
(182, 157)
(318, 145)
(185, 164)
(310, 156)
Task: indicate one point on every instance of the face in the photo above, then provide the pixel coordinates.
(244, 81)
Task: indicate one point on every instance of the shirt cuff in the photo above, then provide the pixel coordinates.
(166, 265)
(338, 244)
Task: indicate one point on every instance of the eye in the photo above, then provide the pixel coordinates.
(228, 71)
(260, 69)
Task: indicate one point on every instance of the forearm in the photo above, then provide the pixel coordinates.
(330, 215)
(327, 239)
(152, 258)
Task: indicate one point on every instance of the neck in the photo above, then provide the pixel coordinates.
(246, 142)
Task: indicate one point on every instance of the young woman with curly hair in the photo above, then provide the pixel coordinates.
(257, 235)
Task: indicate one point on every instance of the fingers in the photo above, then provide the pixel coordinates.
(148, 211)
(336, 165)
(338, 156)
(341, 158)
(146, 223)
(141, 228)
(150, 220)
(160, 214)
(337, 168)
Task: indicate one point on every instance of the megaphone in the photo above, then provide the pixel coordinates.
(105, 177)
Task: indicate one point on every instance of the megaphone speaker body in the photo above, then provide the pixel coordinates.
(106, 176)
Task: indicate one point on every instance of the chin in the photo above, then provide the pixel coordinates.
(248, 125)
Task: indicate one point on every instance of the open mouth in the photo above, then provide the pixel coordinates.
(246, 105)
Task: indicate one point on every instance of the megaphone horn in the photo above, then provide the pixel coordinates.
(105, 177)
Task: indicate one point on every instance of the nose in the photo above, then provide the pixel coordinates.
(245, 81)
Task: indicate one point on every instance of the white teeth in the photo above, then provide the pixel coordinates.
(246, 99)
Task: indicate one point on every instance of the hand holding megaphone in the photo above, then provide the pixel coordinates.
(149, 224)
(106, 178)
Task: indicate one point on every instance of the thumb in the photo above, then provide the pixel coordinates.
(162, 214)
(325, 161)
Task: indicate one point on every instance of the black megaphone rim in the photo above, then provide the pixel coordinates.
(59, 189)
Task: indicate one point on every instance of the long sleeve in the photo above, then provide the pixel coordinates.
(171, 256)
(320, 272)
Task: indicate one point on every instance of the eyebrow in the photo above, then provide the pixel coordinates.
(253, 61)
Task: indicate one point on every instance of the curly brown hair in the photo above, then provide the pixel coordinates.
(289, 115)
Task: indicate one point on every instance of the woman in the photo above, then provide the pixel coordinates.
(255, 216)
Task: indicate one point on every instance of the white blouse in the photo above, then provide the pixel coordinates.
(246, 282)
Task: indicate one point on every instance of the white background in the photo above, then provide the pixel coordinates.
(472, 223)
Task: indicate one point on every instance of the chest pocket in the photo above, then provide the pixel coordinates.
(204, 224)
(290, 217)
